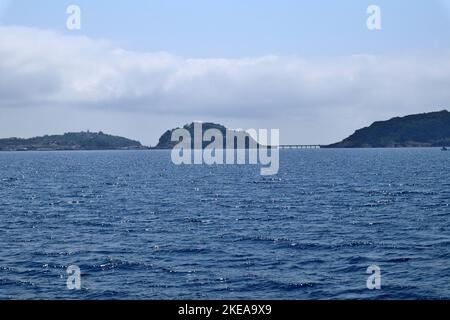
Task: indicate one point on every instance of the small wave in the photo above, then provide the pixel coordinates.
(118, 264)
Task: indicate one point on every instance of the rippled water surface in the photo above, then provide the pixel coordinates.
(142, 228)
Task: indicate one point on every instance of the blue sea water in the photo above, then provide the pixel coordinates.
(140, 227)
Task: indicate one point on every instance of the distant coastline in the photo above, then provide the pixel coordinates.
(420, 130)
(74, 141)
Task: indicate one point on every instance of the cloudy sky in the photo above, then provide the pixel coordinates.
(310, 68)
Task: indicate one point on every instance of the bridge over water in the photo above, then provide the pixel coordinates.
(300, 146)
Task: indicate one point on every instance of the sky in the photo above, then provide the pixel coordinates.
(137, 68)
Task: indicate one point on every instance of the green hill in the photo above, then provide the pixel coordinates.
(70, 141)
(419, 130)
(165, 142)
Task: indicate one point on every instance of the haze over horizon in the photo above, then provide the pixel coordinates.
(312, 70)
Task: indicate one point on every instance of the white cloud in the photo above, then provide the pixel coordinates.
(42, 68)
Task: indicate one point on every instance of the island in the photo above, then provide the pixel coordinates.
(165, 142)
(418, 130)
(71, 141)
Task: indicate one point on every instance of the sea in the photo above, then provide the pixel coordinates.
(139, 227)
